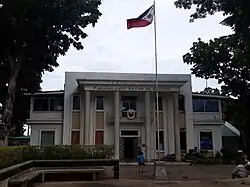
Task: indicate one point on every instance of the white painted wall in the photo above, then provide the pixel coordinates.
(202, 117)
(216, 135)
(71, 87)
(35, 137)
(44, 115)
(186, 90)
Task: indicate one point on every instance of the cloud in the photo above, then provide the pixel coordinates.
(110, 47)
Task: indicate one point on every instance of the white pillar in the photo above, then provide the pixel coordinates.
(92, 122)
(87, 117)
(147, 125)
(82, 118)
(190, 135)
(117, 124)
(170, 125)
(165, 125)
(177, 129)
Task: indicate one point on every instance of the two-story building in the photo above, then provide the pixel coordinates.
(119, 109)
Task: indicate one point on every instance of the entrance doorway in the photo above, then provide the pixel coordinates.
(130, 147)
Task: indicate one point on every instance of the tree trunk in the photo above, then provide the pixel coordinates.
(10, 98)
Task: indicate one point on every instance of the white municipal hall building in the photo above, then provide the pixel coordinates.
(119, 109)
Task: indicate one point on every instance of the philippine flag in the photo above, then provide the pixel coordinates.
(143, 20)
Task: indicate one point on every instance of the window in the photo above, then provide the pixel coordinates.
(41, 104)
(128, 103)
(52, 103)
(211, 106)
(205, 105)
(76, 102)
(47, 138)
(129, 132)
(99, 135)
(181, 103)
(99, 103)
(56, 104)
(183, 140)
(206, 141)
(160, 103)
(161, 140)
(75, 137)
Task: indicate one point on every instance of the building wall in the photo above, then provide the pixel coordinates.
(35, 138)
(216, 135)
(44, 115)
(186, 90)
(71, 87)
(75, 120)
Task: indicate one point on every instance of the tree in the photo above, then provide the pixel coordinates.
(27, 82)
(210, 91)
(226, 58)
(35, 33)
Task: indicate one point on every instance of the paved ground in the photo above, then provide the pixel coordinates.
(144, 183)
(180, 172)
(206, 175)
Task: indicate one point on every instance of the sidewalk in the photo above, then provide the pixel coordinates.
(152, 163)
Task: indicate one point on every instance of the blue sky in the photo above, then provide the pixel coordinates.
(110, 47)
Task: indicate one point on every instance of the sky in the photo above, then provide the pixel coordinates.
(110, 47)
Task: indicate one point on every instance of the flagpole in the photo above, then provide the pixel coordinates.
(156, 88)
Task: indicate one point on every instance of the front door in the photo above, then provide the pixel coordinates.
(130, 144)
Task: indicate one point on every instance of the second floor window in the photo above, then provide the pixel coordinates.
(128, 103)
(54, 103)
(160, 104)
(99, 103)
(181, 103)
(76, 102)
(205, 105)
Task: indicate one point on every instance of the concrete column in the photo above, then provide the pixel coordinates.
(165, 125)
(87, 117)
(190, 135)
(117, 124)
(170, 125)
(82, 118)
(92, 122)
(177, 129)
(147, 125)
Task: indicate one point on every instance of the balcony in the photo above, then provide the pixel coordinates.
(207, 117)
(124, 119)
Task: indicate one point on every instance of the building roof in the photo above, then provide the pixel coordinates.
(53, 92)
(109, 76)
(210, 96)
(229, 130)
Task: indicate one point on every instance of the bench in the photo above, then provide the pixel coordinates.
(96, 172)
(25, 178)
(22, 180)
(80, 164)
(15, 175)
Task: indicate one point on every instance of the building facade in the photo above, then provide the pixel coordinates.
(119, 109)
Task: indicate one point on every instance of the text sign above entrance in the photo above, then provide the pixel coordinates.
(127, 88)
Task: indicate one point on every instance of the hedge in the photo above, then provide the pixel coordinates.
(16, 154)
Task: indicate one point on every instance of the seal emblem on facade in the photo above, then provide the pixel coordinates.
(131, 114)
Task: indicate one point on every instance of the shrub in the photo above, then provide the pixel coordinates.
(229, 154)
(218, 154)
(13, 155)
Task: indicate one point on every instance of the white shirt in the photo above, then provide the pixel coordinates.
(241, 170)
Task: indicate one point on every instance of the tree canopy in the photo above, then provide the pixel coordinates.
(226, 58)
(35, 33)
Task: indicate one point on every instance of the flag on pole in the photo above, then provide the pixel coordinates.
(143, 20)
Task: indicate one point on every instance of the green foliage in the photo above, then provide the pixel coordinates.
(13, 155)
(226, 58)
(33, 35)
(218, 154)
(210, 91)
